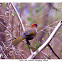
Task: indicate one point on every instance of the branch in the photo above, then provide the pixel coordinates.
(45, 55)
(51, 47)
(3, 53)
(18, 16)
(47, 41)
(53, 51)
(7, 29)
(47, 26)
(55, 8)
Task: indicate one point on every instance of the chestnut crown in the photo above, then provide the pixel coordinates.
(34, 25)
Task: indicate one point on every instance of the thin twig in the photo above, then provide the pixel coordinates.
(12, 26)
(10, 40)
(19, 29)
(46, 13)
(3, 44)
(18, 16)
(49, 35)
(17, 53)
(4, 53)
(46, 42)
(45, 55)
(48, 26)
(55, 8)
(53, 51)
(6, 28)
(22, 51)
(51, 47)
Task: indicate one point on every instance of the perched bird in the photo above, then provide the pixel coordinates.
(29, 34)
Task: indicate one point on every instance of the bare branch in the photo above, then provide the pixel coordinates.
(3, 53)
(6, 28)
(45, 55)
(53, 51)
(49, 12)
(18, 16)
(48, 26)
(46, 42)
(55, 8)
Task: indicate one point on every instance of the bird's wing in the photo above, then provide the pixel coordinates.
(29, 32)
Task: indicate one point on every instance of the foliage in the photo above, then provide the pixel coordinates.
(29, 19)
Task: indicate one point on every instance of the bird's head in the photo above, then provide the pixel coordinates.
(34, 25)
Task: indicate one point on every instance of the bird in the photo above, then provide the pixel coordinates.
(28, 34)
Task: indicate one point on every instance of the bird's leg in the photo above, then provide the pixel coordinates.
(27, 42)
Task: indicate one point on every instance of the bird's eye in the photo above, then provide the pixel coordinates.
(37, 24)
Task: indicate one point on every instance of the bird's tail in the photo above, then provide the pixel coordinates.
(17, 41)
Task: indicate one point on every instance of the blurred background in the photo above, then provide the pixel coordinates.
(47, 15)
